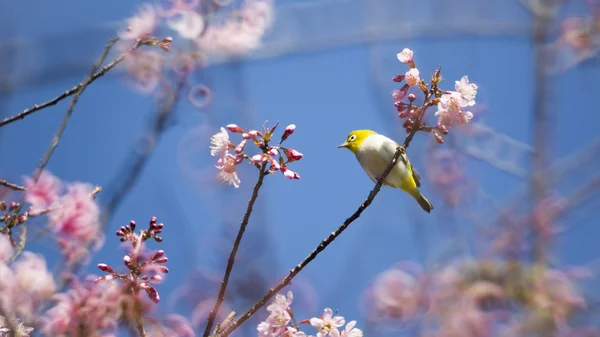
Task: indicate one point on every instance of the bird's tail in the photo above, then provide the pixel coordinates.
(423, 202)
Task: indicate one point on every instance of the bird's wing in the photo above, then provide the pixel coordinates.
(391, 149)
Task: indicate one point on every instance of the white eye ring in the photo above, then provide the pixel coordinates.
(352, 138)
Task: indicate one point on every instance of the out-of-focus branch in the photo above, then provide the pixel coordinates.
(236, 244)
(94, 76)
(11, 185)
(541, 59)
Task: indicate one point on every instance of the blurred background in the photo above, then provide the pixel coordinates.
(327, 67)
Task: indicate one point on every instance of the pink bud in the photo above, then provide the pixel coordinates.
(273, 152)
(289, 173)
(398, 78)
(275, 165)
(165, 44)
(158, 254)
(105, 268)
(234, 128)
(2, 205)
(153, 294)
(240, 147)
(442, 129)
(398, 95)
(292, 154)
(127, 259)
(288, 131)
(404, 114)
(156, 278)
(438, 138)
(257, 158)
(163, 259)
(22, 218)
(13, 206)
(164, 269)
(411, 97)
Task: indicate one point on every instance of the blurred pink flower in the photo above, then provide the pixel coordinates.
(396, 294)
(78, 217)
(465, 321)
(327, 322)
(405, 56)
(554, 290)
(6, 248)
(96, 307)
(33, 276)
(178, 5)
(187, 23)
(144, 69)
(141, 25)
(44, 192)
(412, 77)
(171, 326)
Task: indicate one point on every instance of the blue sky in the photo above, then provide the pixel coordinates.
(326, 93)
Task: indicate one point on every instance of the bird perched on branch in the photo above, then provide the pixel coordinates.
(374, 152)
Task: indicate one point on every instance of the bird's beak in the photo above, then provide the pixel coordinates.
(342, 145)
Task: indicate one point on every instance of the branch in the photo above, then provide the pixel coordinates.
(44, 161)
(70, 92)
(236, 244)
(11, 185)
(70, 110)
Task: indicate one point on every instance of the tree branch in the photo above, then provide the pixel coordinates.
(236, 244)
(11, 185)
(70, 92)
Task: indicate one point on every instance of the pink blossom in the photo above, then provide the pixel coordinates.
(289, 173)
(144, 69)
(450, 111)
(405, 56)
(228, 166)
(94, 306)
(6, 248)
(465, 321)
(140, 25)
(220, 142)
(467, 91)
(349, 331)
(281, 302)
(412, 77)
(293, 332)
(33, 276)
(327, 322)
(292, 155)
(78, 217)
(44, 192)
(396, 294)
(188, 23)
(398, 95)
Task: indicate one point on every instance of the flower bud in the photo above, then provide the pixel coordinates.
(292, 155)
(132, 225)
(127, 260)
(411, 97)
(438, 138)
(163, 259)
(2, 205)
(258, 158)
(156, 278)
(442, 129)
(153, 294)
(273, 152)
(13, 206)
(398, 78)
(234, 128)
(274, 165)
(158, 254)
(404, 114)
(398, 95)
(240, 147)
(105, 268)
(164, 269)
(288, 131)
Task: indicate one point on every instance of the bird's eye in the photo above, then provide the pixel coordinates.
(352, 138)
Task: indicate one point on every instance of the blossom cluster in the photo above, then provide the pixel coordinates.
(451, 105)
(144, 267)
(470, 298)
(230, 31)
(276, 156)
(281, 322)
(72, 211)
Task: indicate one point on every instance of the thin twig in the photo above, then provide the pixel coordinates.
(70, 110)
(11, 185)
(236, 244)
(69, 92)
(140, 326)
(44, 161)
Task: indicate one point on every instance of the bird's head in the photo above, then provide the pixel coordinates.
(355, 139)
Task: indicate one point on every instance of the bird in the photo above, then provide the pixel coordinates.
(374, 152)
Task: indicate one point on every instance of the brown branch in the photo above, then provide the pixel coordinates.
(70, 92)
(11, 185)
(221, 297)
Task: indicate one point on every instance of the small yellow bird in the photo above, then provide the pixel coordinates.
(374, 152)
